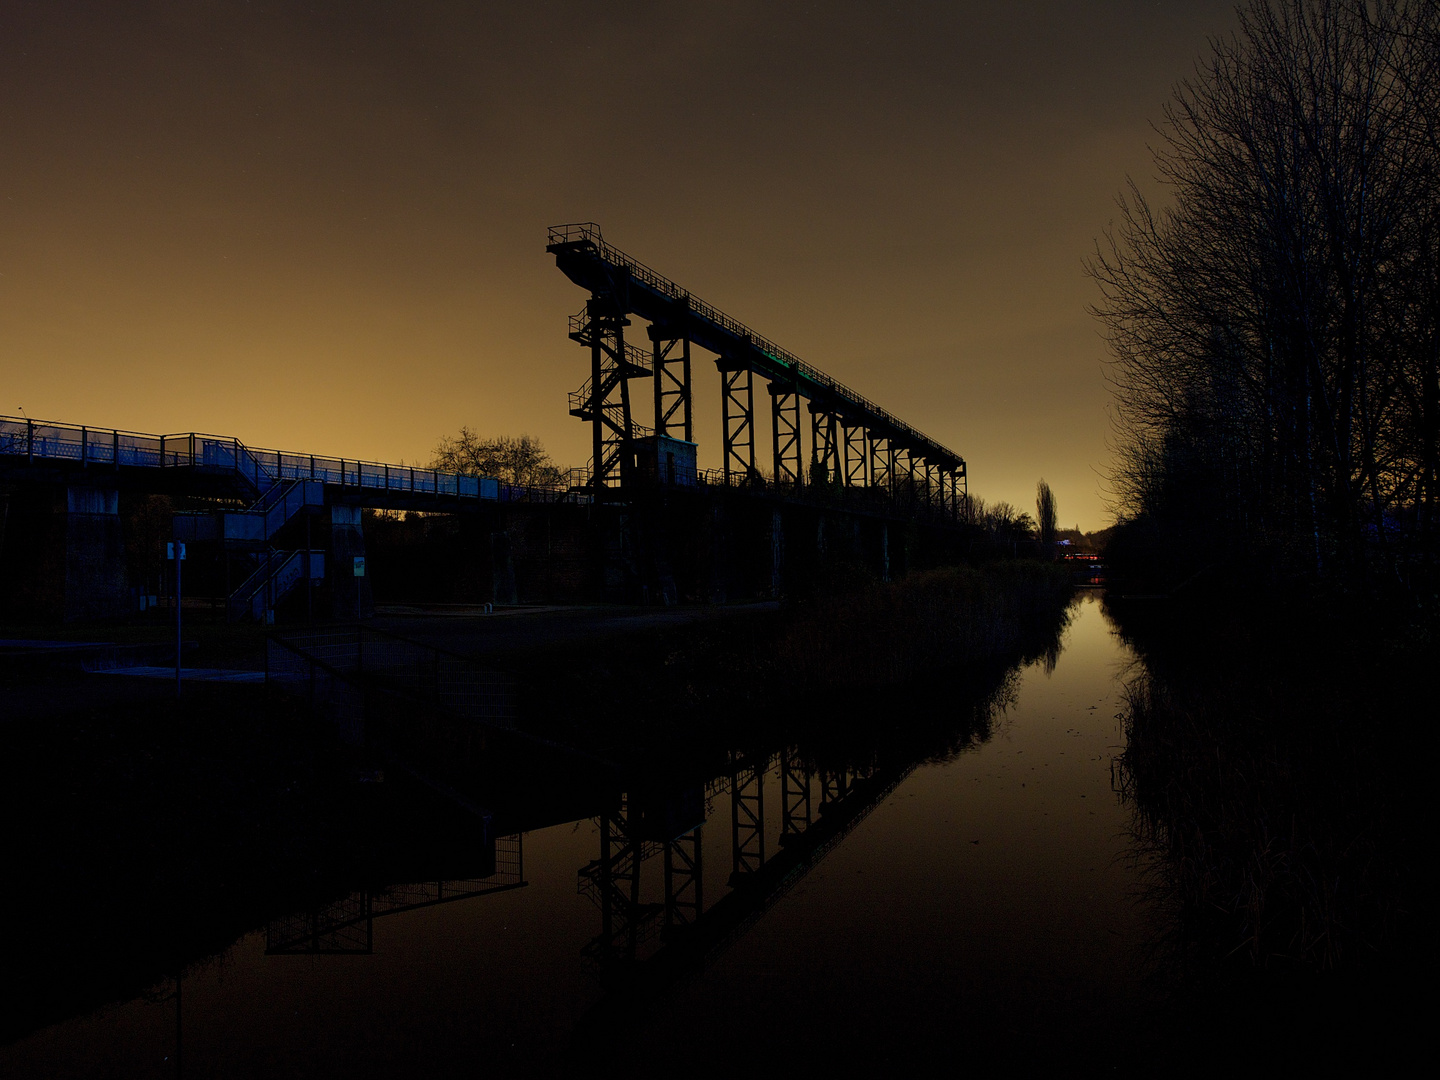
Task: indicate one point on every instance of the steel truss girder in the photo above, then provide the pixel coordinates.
(856, 455)
(738, 415)
(747, 818)
(785, 416)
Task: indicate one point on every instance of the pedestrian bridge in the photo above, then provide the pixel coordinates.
(211, 464)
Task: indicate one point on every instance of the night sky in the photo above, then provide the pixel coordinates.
(321, 226)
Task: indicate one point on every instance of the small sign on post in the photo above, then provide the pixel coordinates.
(359, 572)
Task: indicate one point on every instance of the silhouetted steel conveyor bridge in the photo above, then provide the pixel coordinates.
(853, 440)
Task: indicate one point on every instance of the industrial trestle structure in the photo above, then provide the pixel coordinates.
(853, 442)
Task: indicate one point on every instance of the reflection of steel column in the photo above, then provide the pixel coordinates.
(618, 885)
(606, 882)
(794, 796)
(684, 879)
(834, 786)
(617, 866)
(747, 819)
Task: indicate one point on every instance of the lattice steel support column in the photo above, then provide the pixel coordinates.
(672, 388)
(604, 400)
(785, 416)
(737, 384)
(882, 464)
(824, 443)
(856, 456)
(905, 478)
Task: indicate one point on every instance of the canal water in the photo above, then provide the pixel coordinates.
(981, 907)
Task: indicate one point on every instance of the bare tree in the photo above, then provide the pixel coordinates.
(1273, 327)
(517, 460)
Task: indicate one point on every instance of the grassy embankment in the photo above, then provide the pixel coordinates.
(926, 643)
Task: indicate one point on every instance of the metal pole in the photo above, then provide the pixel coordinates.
(309, 581)
(179, 597)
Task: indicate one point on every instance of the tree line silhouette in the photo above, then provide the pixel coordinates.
(1275, 326)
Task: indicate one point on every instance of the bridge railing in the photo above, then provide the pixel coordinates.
(261, 469)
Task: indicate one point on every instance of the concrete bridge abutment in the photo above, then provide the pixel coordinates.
(351, 593)
(62, 553)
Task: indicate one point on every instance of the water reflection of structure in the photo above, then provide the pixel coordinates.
(637, 828)
(347, 925)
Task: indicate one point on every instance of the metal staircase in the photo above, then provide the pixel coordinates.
(279, 570)
(278, 573)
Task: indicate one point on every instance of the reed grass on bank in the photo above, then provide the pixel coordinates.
(954, 618)
(927, 645)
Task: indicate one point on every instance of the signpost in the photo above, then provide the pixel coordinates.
(176, 554)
